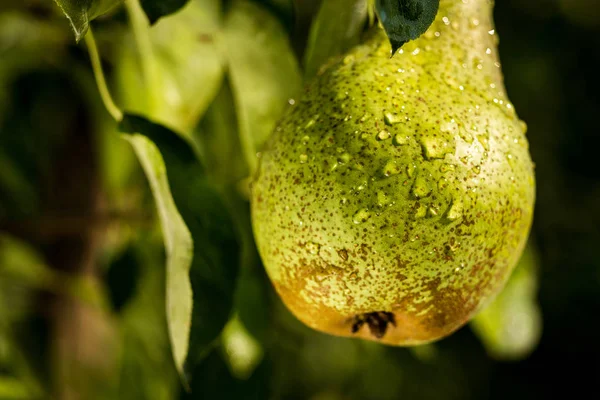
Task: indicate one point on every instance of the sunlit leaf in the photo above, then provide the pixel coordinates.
(405, 20)
(263, 70)
(336, 28)
(81, 12)
(189, 67)
(510, 327)
(202, 249)
(156, 9)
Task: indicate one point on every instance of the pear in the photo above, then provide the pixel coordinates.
(394, 199)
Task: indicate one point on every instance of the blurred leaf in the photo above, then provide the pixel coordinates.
(189, 67)
(243, 352)
(156, 9)
(13, 389)
(218, 139)
(213, 380)
(21, 263)
(252, 301)
(188, 208)
(147, 370)
(336, 28)
(263, 71)
(121, 279)
(510, 327)
(81, 12)
(405, 20)
(283, 9)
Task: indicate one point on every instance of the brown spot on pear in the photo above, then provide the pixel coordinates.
(413, 236)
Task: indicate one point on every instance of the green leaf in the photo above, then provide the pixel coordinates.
(146, 370)
(405, 20)
(219, 142)
(336, 28)
(202, 249)
(263, 70)
(156, 9)
(81, 12)
(510, 327)
(189, 67)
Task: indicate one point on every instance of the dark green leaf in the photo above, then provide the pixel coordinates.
(147, 371)
(405, 20)
(156, 9)
(219, 142)
(202, 248)
(336, 29)
(81, 12)
(121, 278)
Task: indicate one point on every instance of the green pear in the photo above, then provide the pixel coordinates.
(394, 199)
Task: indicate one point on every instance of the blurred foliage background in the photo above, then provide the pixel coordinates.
(82, 275)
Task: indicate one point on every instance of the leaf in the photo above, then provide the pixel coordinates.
(81, 12)
(336, 28)
(510, 327)
(156, 9)
(146, 368)
(121, 279)
(263, 70)
(219, 142)
(190, 67)
(405, 20)
(202, 249)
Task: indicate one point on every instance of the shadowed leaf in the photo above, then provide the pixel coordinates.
(405, 20)
(202, 249)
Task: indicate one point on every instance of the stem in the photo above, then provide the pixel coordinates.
(371, 11)
(141, 34)
(110, 105)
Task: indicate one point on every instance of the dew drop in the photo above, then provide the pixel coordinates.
(433, 212)
(435, 148)
(383, 135)
(391, 118)
(313, 248)
(442, 184)
(411, 169)
(400, 140)
(449, 126)
(455, 210)
(484, 139)
(382, 199)
(466, 136)
(348, 59)
(361, 216)
(523, 126)
(391, 168)
(421, 188)
(421, 211)
(447, 167)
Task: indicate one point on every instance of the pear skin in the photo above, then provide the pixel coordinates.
(394, 199)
